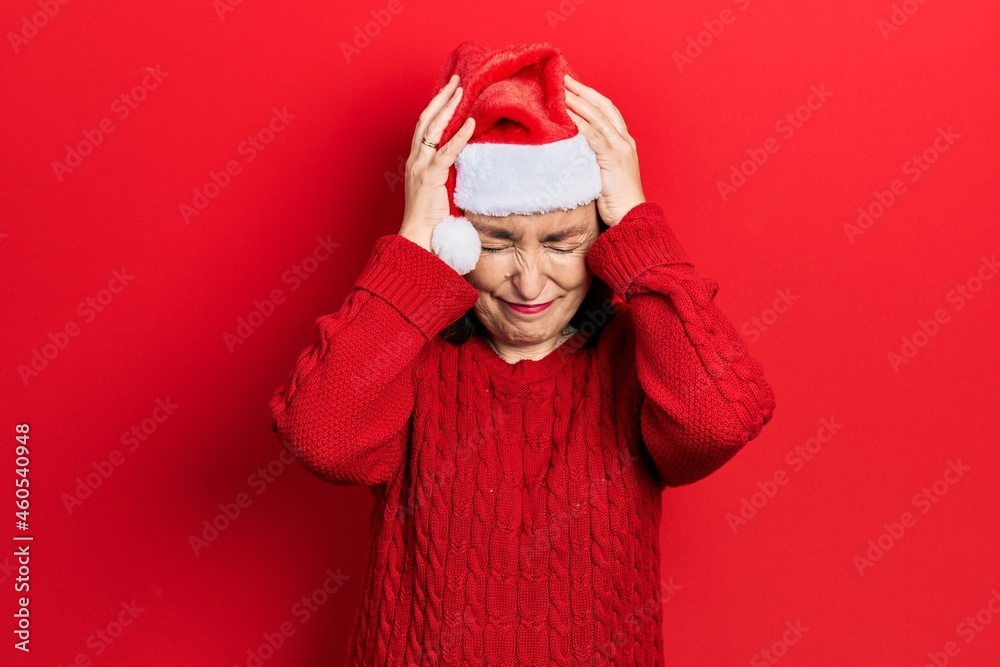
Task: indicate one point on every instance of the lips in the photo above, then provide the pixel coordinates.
(528, 309)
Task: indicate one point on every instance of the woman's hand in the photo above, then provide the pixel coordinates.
(604, 128)
(427, 168)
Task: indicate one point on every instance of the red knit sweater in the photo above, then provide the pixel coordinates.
(518, 505)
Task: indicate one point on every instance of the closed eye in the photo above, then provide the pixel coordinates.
(494, 250)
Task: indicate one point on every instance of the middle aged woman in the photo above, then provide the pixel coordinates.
(518, 405)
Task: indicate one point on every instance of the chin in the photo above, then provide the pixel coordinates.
(532, 336)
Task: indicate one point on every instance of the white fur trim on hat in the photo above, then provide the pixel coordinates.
(505, 179)
(457, 243)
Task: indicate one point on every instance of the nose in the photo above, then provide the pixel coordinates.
(528, 277)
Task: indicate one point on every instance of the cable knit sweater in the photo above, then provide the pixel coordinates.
(517, 506)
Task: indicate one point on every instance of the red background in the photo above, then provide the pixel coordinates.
(329, 172)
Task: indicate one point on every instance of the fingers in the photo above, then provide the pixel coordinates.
(445, 97)
(598, 132)
(598, 100)
(581, 94)
(441, 120)
(596, 139)
(445, 156)
(591, 112)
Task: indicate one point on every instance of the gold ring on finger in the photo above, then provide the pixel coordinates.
(428, 143)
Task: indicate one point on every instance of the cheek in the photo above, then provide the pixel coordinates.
(570, 270)
(488, 274)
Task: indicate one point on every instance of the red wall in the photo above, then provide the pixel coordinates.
(158, 97)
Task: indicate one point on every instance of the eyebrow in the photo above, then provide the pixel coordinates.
(498, 232)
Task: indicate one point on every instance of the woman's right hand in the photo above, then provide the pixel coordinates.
(427, 168)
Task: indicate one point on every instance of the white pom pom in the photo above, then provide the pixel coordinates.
(457, 243)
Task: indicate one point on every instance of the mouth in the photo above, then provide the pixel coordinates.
(528, 308)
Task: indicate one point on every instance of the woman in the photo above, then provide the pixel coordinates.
(518, 423)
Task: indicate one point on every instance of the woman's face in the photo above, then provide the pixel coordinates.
(532, 259)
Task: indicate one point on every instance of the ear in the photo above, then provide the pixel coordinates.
(456, 242)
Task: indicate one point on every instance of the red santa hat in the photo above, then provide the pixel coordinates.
(525, 156)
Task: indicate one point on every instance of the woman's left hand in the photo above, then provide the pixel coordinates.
(604, 128)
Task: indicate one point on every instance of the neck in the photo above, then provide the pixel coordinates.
(515, 353)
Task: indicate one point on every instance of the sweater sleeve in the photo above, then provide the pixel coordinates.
(345, 411)
(704, 396)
